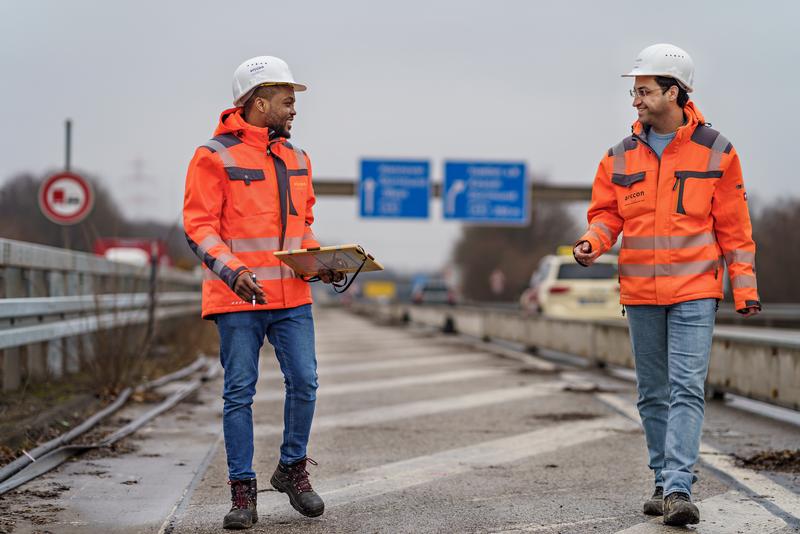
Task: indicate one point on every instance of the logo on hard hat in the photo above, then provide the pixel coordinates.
(256, 68)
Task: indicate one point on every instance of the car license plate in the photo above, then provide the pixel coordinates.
(588, 300)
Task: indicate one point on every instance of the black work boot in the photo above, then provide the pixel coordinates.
(655, 505)
(679, 510)
(243, 510)
(293, 480)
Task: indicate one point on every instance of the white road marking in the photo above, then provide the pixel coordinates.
(328, 369)
(401, 475)
(759, 484)
(422, 408)
(391, 383)
(379, 351)
(727, 513)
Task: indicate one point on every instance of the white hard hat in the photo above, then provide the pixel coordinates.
(665, 60)
(260, 70)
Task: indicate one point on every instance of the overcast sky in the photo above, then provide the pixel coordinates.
(145, 81)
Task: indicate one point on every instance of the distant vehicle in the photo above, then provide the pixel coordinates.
(121, 249)
(563, 289)
(433, 291)
(130, 255)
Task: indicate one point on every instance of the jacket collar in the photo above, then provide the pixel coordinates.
(693, 119)
(232, 121)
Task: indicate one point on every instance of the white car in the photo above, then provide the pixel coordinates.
(562, 288)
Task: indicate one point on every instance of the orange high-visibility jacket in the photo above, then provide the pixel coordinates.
(680, 215)
(247, 196)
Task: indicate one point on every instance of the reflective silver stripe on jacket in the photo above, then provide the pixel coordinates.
(648, 270)
(667, 242)
(255, 244)
(219, 148)
(742, 281)
(301, 159)
(717, 150)
(740, 256)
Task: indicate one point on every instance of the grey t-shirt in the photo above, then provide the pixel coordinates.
(659, 141)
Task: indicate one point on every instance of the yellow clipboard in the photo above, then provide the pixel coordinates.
(341, 258)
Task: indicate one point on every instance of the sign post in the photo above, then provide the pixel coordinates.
(396, 188)
(486, 192)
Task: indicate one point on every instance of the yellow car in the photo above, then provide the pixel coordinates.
(562, 288)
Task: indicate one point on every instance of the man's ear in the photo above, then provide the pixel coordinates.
(262, 105)
(673, 93)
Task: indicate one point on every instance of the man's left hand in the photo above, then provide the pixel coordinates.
(328, 276)
(749, 311)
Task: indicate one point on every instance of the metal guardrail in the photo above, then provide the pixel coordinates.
(52, 301)
(762, 364)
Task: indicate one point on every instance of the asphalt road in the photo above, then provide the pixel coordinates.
(419, 432)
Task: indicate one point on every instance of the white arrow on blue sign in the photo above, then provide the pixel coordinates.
(394, 188)
(490, 192)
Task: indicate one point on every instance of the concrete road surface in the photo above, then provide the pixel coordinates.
(419, 432)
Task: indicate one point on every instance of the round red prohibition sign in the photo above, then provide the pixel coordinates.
(66, 198)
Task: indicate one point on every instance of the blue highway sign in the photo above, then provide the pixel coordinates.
(396, 188)
(491, 192)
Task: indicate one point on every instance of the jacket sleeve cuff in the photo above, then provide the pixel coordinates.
(591, 237)
(742, 304)
(235, 275)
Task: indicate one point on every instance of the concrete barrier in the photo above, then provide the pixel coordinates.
(762, 365)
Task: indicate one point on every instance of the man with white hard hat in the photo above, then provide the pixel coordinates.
(674, 189)
(248, 194)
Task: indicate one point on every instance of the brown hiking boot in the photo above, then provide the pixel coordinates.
(655, 505)
(679, 510)
(243, 514)
(293, 481)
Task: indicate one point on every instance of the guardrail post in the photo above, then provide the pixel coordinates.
(71, 347)
(86, 287)
(36, 361)
(12, 365)
(55, 348)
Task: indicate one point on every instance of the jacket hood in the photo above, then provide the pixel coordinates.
(232, 121)
(693, 119)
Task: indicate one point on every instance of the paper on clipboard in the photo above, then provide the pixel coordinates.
(341, 258)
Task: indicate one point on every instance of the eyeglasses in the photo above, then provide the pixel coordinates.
(642, 92)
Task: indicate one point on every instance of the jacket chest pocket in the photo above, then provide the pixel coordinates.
(251, 193)
(635, 193)
(694, 191)
(298, 190)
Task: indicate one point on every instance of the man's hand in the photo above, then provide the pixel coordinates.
(327, 276)
(583, 253)
(749, 311)
(245, 288)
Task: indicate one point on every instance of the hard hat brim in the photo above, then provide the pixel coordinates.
(635, 73)
(298, 87)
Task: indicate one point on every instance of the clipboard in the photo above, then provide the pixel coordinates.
(341, 258)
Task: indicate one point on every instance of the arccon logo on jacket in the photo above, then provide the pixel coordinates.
(680, 215)
(248, 195)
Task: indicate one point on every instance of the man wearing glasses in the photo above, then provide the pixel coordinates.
(674, 189)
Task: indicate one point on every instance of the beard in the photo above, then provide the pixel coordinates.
(278, 125)
(282, 131)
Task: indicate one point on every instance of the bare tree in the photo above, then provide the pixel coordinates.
(515, 251)
(778, 250)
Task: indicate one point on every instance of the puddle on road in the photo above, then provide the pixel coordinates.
(786, 461)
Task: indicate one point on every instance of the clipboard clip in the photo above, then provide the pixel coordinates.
(344, 285)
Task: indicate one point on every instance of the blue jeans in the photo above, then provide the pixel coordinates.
(291, 332)
(671, 348)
